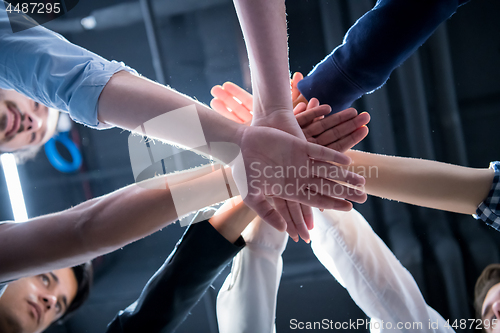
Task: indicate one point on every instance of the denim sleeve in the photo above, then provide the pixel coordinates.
(374, 46)
(44, 66)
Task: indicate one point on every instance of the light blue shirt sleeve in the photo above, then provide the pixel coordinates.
(2, 288)
(44, 66)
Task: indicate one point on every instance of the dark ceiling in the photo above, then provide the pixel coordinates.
(201, 46)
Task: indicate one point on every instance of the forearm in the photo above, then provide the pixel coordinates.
(263, 23)
(134, 103)
(101, 225)
(232, 218)
(422, 182)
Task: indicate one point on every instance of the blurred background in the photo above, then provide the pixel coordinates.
(442, 104)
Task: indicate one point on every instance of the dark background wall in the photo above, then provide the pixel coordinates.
(201, 46)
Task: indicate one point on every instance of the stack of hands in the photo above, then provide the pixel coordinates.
(326, 184)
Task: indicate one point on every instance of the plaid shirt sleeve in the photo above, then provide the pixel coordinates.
(489, 209)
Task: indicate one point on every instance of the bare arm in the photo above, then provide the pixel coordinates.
(415, 181)
(130, 101)
(100, 225)
(263, 23)
(232, 218)
(422, 182)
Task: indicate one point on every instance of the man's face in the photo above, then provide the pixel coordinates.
(23, 122)
(30, 305)
(490, 313)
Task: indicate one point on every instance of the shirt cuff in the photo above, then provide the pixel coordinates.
(84, 103)
(488, 210)
(330, 85)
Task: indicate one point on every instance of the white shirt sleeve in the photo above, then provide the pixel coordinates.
(44, 66)
(347, 246)
(247, 300)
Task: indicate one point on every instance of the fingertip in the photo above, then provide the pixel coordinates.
(341, 158)
(366, 114)
(348, 206)
(296, 76)
(325, 109)
(362, 198)
(213, 91)
(228, 85)
(342, 205)
(366, 130)
(313, 102)
(357, 180)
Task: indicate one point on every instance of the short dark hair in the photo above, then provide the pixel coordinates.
(488, 278)
(84, 274)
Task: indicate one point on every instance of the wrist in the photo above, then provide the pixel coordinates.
(282, 119)
(222, 130)
(267, 105)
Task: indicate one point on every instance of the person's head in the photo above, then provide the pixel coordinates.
(487, 298)
(32, 304)
(24, 123)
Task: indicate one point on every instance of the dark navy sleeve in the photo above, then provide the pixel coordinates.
(374, 46)
(166, 300)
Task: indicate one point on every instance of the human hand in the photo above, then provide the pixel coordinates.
(291, 169)
(298, 217)
(297, 97)
(232, 102)
(340, 131)
(235, 103)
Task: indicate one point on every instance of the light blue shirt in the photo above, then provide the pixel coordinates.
(44, 66)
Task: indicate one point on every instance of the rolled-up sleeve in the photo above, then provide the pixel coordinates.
(44, 66)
